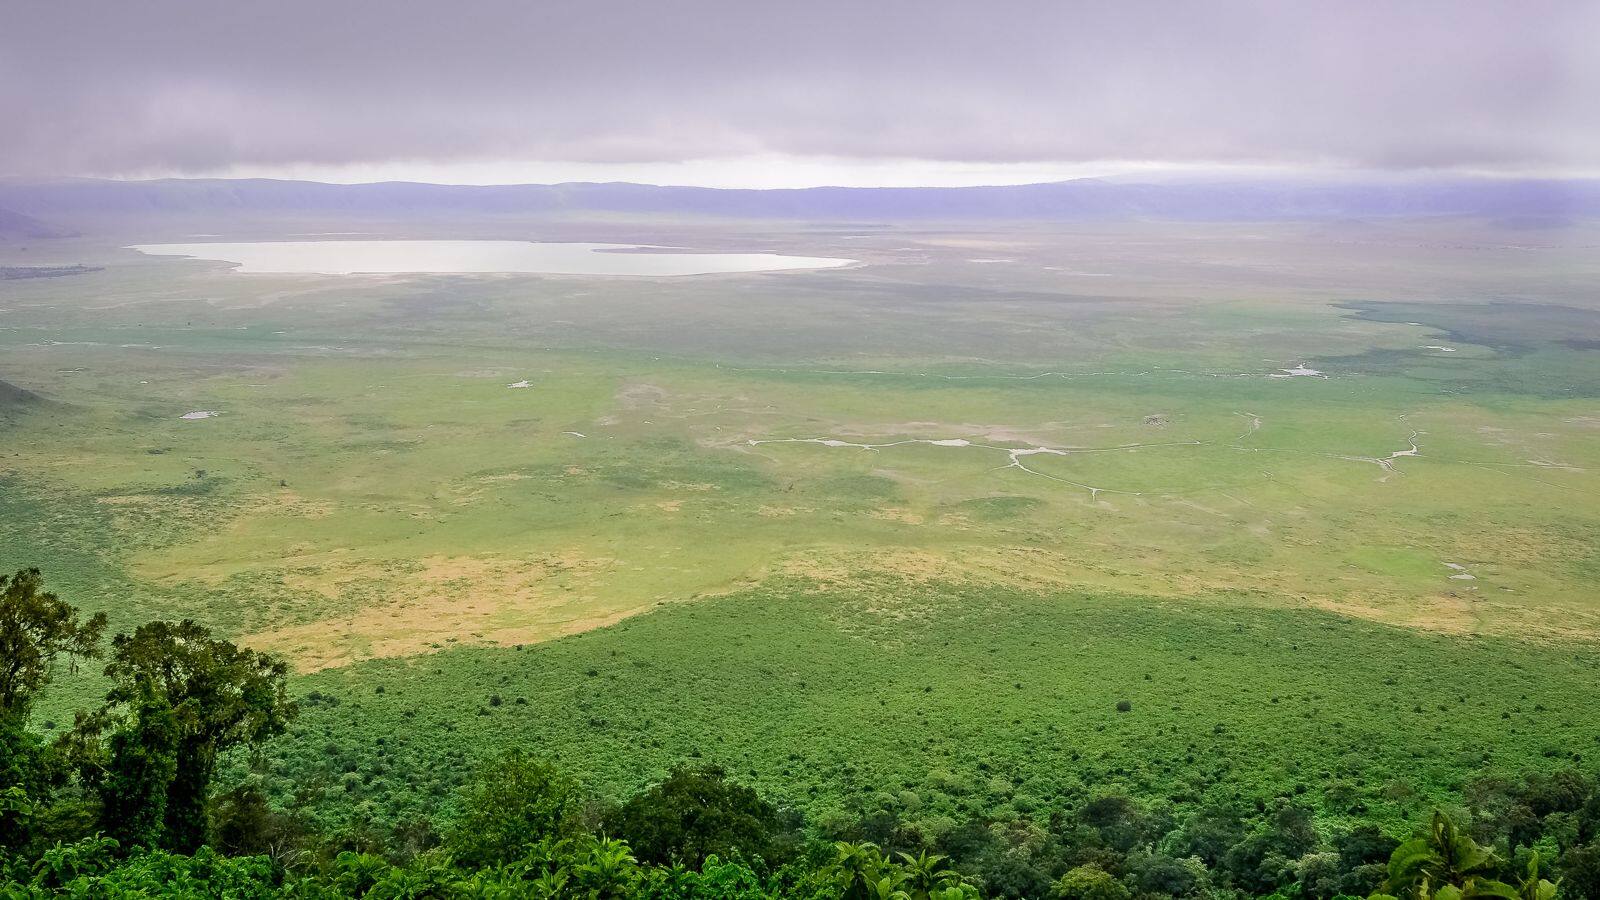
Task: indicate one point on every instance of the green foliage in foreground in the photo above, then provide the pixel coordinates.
(37, 627)
(141, 765)
(181, 698)
(558, 857)
(1447, 864)
(124, 807)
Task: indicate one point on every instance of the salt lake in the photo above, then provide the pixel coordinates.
(478, 257)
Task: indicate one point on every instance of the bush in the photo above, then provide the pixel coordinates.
(512, 804)
(697, 813)
(1090, 883)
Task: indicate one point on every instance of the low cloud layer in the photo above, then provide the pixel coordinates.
(118, 87)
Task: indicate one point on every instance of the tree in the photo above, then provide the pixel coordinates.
(696, 813)
(218, 695)
(607, 870)
(1211, 832)
(1532, 887)
(924, 875)
(1364, 845)
(1293, 832)
(512, 804)
(1265, 861)
(354, 874)
(1580, 868)
(144, 761)
(243, 823)
(16, 814)
(1445, 862)
(1162, 875)
(37, 627)
(1363, 859)
(1090, 883)
(1319, 876)
(859, 872)
(1119, 818)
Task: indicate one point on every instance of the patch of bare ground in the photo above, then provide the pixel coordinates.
(1466, 613)
(1012, 567)
(641, 395)
(289, 503)
(695, 486)
(1523, 547)
(1053, 433)
(446, 601)
(781, 512)
(1448, 612)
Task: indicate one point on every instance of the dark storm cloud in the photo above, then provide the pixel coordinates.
(124, 86)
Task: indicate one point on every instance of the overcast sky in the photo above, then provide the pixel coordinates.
(744, 91)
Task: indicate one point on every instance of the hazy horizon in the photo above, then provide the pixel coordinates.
(792, 181)
(716, 94)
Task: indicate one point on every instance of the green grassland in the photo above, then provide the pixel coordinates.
(940, 702)
(657, 507)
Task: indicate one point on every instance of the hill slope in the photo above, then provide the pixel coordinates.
(970, 697)
(15, 400)
(16, 226)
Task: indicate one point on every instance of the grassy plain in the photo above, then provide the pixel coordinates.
(1370, 569)
(937, 702)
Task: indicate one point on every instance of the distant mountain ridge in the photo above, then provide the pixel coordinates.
(1085, 199)
(15, 225)
(14, 399)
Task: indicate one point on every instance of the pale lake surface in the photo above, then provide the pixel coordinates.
(467, 257)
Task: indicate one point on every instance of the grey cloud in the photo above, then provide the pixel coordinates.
(104, 87)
